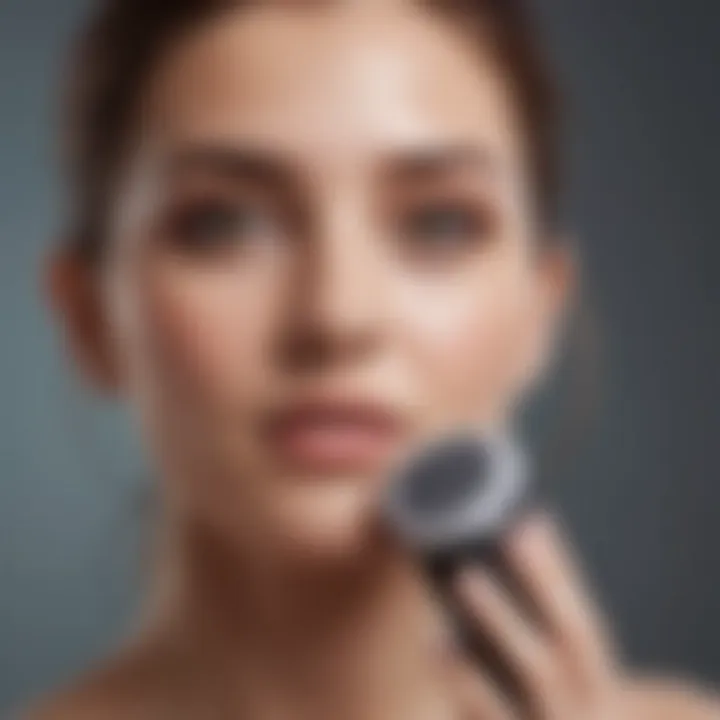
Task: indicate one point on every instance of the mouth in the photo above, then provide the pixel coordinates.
(329, 435)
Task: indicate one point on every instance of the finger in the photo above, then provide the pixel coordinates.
(495, 614)
(544, 566)
(479, 697)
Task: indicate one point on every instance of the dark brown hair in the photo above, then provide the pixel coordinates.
(126, 38)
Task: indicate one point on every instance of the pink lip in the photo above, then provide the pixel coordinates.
(335, 435)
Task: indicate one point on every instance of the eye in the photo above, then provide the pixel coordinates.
(214, 224)
(444, 227)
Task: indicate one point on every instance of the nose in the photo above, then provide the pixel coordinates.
(340, 308)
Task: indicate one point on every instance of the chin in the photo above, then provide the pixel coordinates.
(328, 521)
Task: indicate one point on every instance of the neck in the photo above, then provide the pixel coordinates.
(278, 639)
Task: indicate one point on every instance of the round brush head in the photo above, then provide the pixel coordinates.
(460, 492)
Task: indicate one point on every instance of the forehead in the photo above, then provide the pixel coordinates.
(338, 82)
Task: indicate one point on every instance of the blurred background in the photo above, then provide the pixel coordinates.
(643, 502)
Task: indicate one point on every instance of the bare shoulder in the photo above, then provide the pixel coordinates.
(83, 701)
(671, 699)
(77, 703)
(122, 689)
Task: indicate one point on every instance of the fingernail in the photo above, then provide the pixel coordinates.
(534, 527)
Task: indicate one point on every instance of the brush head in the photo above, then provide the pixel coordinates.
(458, 493)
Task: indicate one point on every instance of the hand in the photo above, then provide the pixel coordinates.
(564, 664)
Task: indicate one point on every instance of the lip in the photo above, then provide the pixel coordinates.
(335, 434)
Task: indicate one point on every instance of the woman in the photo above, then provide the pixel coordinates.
(307, 236)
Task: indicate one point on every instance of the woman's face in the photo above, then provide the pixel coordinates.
(326, 206)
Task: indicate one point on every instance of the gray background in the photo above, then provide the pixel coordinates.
(643, 504)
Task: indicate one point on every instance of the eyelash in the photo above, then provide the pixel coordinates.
(431, 230)
(427, 229)
(213, 224)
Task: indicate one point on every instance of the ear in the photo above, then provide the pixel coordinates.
(73, 290)
(554, 299)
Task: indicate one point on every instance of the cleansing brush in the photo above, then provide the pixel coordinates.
(452, 503)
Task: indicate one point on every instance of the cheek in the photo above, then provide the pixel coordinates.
(192, 344)
(469, 343)
(190, 340)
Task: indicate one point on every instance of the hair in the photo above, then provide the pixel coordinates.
(125, 39)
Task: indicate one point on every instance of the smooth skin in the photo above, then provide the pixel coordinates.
(328, 198)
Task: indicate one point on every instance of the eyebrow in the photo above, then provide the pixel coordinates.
(264, 167)
(426, 163)
(259, 166)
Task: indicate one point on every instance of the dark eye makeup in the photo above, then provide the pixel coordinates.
(445, 228)
(430, 227)
(215, 224)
